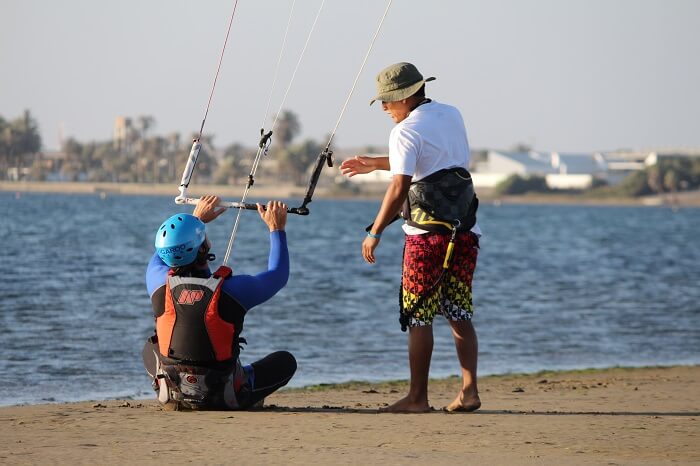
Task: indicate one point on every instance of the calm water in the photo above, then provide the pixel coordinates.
(556, 287)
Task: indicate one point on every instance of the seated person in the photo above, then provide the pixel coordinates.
(193, 358)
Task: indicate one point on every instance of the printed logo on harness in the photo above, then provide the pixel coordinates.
(193, 386)
(190, 296)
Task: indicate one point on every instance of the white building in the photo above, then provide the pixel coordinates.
(623, 162)
(576, 171)
(500, 165)
(560, 170)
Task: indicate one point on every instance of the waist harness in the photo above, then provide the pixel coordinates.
(442, 201)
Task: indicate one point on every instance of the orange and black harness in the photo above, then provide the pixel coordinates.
(196, 345)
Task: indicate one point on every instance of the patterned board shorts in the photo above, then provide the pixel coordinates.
(422, 265)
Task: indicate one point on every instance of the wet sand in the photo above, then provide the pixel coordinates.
(615, 416)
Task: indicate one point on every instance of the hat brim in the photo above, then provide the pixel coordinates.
(400, 94)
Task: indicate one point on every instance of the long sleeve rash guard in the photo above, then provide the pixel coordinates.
(249, 290)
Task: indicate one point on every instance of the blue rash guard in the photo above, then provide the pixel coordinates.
(248, 290)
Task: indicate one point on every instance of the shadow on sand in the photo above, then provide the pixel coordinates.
(346, 410)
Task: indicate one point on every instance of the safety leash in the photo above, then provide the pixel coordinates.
(264, 144)
(325, 157)
(196, 143)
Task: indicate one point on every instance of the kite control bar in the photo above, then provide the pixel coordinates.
(240, 205)
(324, 158)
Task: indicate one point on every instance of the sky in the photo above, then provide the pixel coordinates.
(559, 75)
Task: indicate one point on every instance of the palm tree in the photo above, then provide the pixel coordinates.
(300, 158)
(285, 131)
(19, 142)
(145, 123)
(287, 128)
(234, 163)
(654, 178)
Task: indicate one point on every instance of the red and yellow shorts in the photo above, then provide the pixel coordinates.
(423, 260)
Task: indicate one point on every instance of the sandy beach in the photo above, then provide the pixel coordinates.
(614, 416)
(263, 190)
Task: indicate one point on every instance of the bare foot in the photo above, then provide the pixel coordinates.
(464, 404)
(405, 405)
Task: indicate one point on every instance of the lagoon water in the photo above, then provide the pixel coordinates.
(556, 287)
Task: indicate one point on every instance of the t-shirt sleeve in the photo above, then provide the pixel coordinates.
(251, 290)
(156, 274)
(404, 147)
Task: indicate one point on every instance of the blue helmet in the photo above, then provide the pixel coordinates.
(178, 239)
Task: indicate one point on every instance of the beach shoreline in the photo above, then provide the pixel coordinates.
(284, 190)
(290, 191)
(616, 416)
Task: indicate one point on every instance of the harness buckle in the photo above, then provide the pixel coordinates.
(455, 226)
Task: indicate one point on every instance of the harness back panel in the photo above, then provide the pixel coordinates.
(193, 358)
(442, 200)
(191, 327)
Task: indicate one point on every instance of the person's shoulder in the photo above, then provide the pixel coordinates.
(449, 113)
(401, 127)
(428, 113)
(405, 130)
(440, 106)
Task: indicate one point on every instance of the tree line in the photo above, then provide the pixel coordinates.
(668, 176)
(137, 154)
(19, 142)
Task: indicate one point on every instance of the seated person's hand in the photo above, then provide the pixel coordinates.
(274, 215)
(206, 209)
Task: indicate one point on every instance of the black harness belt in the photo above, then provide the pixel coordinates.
(441, 201)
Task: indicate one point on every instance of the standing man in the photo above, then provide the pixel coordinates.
(193, 358)
(432, 189)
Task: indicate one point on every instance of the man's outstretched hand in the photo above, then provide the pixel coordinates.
(358, 165)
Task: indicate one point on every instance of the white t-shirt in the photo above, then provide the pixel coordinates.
(431, 138)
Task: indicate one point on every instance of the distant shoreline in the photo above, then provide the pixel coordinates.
(260, 190)
(290, 191)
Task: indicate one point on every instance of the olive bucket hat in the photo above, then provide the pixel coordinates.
(398, 81)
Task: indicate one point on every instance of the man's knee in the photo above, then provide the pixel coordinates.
(463, 329)
(287, 360)
(279, 362)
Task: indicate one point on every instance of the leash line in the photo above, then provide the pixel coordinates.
(301, 56)
(279, 61)
(218, 69)
(326, 156)
(357, 77)
(265, 137)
